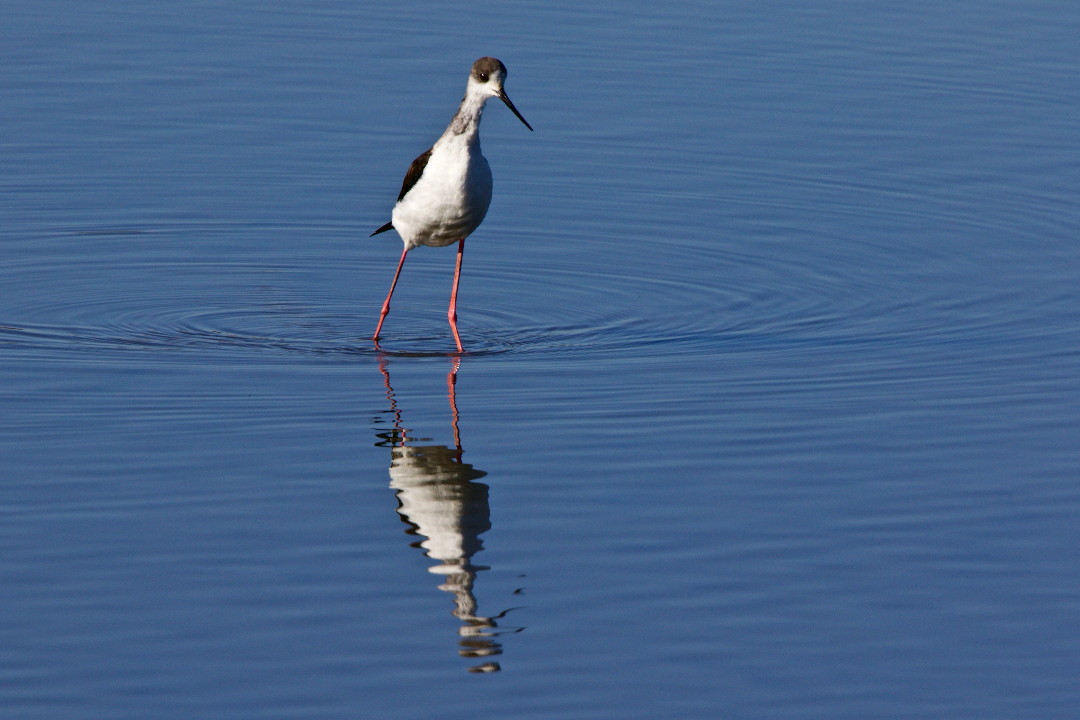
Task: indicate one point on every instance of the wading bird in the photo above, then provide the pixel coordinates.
(447, 190)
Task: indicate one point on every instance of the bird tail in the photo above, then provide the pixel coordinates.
(384, 228)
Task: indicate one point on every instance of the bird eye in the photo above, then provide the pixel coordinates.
(483, 77)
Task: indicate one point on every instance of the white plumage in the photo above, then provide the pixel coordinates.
(450, 199)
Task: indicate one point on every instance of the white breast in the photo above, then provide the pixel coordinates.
(449, 200)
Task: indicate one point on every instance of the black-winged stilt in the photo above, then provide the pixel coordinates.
(447, 190)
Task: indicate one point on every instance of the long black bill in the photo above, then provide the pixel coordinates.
(505, 99)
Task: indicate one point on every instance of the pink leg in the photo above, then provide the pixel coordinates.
(386, 305)
(451, 314)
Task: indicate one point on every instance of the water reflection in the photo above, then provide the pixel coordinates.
(441, 502)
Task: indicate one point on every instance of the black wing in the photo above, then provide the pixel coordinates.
(413, 174)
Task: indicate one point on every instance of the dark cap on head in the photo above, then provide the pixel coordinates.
(485, 67)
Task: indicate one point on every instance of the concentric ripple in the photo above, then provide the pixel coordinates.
(218, 289)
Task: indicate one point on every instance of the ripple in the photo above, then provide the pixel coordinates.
(114, 290)
(247, 291)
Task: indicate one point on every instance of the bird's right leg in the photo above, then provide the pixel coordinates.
(386, 304)
(451, 313)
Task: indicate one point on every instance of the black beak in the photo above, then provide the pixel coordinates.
(505, 99)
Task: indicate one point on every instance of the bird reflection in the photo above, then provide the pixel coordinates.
(441, 502)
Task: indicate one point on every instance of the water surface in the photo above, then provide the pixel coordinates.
(770, 394)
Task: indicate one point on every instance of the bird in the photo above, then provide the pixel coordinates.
(447, 189)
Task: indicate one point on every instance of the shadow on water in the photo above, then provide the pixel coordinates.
(441, 502)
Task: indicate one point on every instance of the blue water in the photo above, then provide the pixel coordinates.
(770, 396)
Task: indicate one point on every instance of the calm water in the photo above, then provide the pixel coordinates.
(771, 401)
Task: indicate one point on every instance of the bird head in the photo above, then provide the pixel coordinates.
(486, 79)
